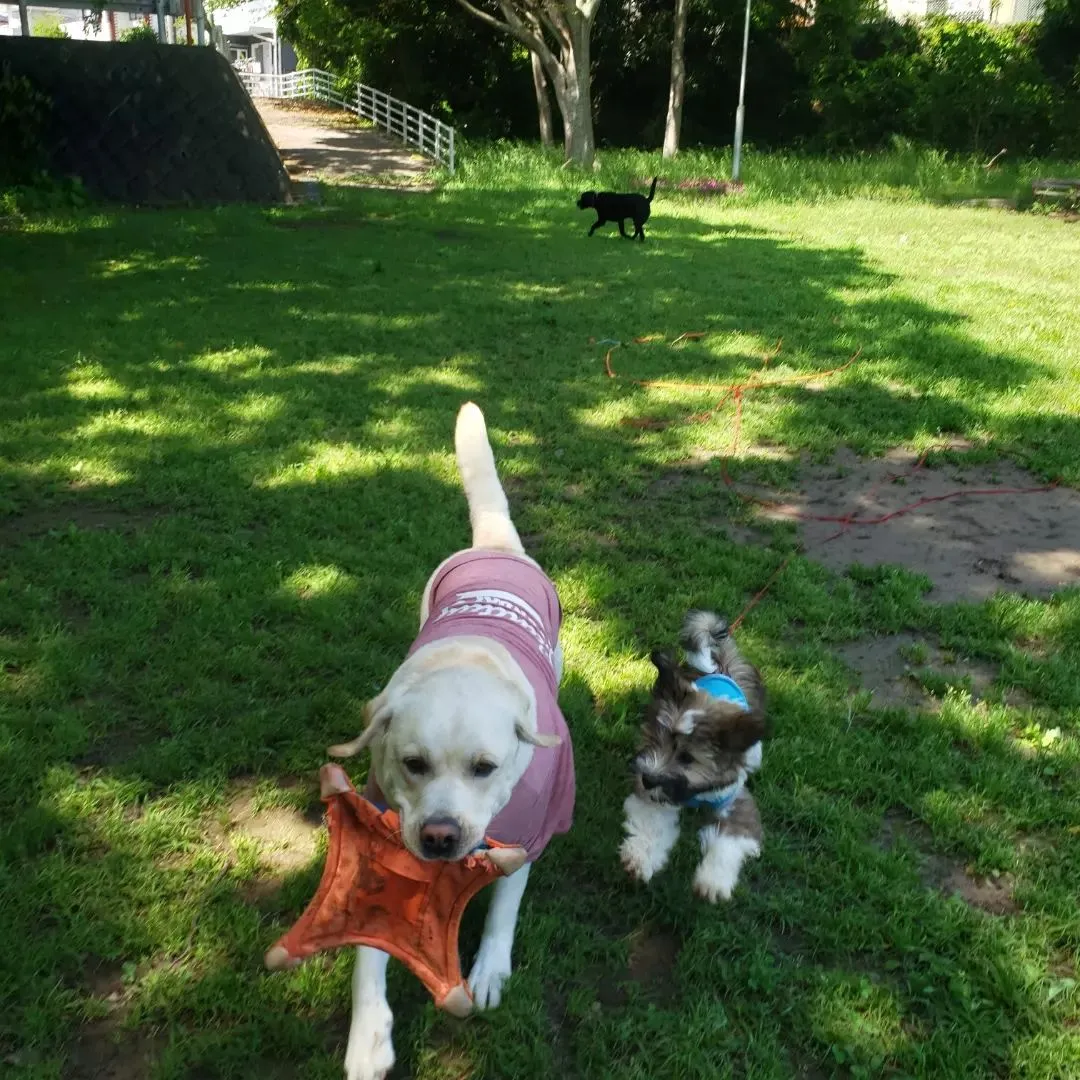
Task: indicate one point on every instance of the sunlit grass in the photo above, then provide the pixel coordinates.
(226, 470)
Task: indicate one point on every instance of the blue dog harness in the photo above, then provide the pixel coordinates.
(721, 800)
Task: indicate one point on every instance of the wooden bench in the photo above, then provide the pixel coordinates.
(1048, 189)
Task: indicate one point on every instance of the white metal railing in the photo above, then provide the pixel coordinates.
(412, 125)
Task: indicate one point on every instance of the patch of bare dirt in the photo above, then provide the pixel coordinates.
(738, 533)
(948, 875)
(653, 957)
(970, 546)
(318, 221)
(286, 839)
(49, 519)
(105, 981)
(104, 1051)
(117, 745)
(555, 1006)
(890, 668)
(651, 969)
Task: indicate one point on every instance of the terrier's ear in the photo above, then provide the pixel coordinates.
(671, 684)
(668, 677)
(737, 732)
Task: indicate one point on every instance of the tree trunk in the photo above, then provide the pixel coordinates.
(543, 102)
(567, 23)
(673, 127)
(573, 92)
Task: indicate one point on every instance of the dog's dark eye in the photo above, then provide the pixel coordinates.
(416, 766)
(483, 768)
(684, 757)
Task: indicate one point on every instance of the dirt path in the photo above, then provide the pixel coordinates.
(324, 143)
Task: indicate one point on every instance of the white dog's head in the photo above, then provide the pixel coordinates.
(450, 737)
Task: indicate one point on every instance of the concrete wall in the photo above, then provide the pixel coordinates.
(149, 124)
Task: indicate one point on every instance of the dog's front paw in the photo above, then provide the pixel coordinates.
(637, 861)
(710, 886)
(370, 1055)
(490, 971)
(718, 872)
(651, 831)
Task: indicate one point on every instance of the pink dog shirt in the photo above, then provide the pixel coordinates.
(510, 600)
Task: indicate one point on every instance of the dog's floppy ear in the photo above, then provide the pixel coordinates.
(534, 738)
(377, 712)
(738, 732)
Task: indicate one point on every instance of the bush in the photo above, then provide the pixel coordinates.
(48, 26)
(960, 86)
(24, 113)
(140, 33)
(43, 195)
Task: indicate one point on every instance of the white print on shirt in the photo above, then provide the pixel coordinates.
(498, 604)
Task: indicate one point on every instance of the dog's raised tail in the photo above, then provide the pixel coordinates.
(702, 637)
(652, 190)
(489, 511)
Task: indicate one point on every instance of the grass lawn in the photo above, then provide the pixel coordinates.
(225, 473)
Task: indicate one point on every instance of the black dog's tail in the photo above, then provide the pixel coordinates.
(652, 190)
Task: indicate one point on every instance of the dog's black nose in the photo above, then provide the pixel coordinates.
(439, 838)
(649, 782)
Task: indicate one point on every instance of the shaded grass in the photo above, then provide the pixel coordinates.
(225, 470)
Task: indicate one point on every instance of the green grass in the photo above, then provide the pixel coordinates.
(225, 474)
(905, 173)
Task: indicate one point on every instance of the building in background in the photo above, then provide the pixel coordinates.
(250, 33)
(990, 11)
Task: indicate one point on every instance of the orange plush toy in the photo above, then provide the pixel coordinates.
(374, 891)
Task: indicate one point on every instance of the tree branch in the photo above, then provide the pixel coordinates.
(516, 28)
(528, 37)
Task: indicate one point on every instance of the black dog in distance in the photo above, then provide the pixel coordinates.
(617, 206)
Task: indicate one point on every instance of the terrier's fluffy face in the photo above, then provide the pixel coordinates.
(692, 742)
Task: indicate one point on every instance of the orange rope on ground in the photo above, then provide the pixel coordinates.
(736, 392)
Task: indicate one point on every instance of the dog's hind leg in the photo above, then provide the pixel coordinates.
(489, 511)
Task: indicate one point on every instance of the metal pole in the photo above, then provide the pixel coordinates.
(740, 112)
(161, 22)
(24, 19)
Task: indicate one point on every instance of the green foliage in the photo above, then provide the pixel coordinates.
(43, 195)
(48, 26)
(849, 80)
(139, 33)
(428, 53)
(24, 112)
(963, 86)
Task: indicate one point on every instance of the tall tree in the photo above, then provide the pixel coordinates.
(559, 33)
(543, 102)
(678, 82)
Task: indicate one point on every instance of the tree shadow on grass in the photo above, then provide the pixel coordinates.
(267, 415)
